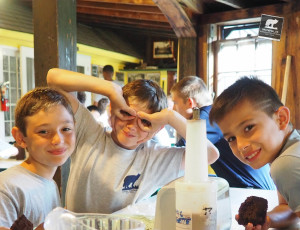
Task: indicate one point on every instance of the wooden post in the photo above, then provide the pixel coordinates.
(54, 37)
(187, 57)
(55, 45)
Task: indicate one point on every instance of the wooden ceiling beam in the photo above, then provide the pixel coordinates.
(178, 19)
(119, 6)
(134, 2)
(193, 5)
(121, 14)
(132, 22)
(237, 4)
(233, 15)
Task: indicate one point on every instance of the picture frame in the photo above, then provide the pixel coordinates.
(163, 49)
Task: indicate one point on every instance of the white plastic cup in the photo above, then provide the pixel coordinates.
(196, 205)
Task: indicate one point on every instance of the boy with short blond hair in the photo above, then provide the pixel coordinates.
(257, 127)
(111, 170)
(44, 126)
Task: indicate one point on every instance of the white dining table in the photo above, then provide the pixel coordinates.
(237, 196)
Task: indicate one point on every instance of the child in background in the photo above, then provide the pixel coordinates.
(257, 127)
(111, 170)
(44, 126)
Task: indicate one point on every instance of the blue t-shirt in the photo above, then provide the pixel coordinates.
(228, 166)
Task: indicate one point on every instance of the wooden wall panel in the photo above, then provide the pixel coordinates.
(289, 45)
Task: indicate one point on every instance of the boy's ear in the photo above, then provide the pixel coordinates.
(283, 117)
(19, 137)
(191, 102)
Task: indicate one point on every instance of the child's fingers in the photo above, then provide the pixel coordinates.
(143, 127)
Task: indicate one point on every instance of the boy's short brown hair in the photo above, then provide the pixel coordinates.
(40, 98)
(148, 92)
(261, 95)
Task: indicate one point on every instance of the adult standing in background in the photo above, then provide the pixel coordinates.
(192, 92)
(108, 73)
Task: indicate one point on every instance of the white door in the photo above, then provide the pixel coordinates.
(27, 69)
(84, 66)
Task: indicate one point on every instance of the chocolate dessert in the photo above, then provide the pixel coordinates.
(22, 223)
(253, 210)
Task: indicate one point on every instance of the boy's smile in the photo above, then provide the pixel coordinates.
(127, 133)
(254, 137)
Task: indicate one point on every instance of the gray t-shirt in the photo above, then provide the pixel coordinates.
(285, 171)
(105, 178)
(23, 192)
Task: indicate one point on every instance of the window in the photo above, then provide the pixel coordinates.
(11, 74)
(242, 53)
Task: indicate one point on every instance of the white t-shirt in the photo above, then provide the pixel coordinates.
(105, 178)
(23, 192)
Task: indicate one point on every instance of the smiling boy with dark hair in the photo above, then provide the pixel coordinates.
(257, 127)
(45, 128)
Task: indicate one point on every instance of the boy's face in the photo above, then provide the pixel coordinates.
(127, 133)
(254, 137)
(181, 106)
(50, 137)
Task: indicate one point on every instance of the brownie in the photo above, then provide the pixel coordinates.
(253, 210)
(22, 223)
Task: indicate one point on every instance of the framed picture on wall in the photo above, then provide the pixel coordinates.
(163, 49)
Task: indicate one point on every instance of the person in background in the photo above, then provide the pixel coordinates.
(81, 96)
(95, 112)
(257, 127)
(103, 106)
(108, 73)
(192, 92)
(45, 128)
(111, 170)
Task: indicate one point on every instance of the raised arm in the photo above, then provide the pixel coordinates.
(69, 81)
(178, 122)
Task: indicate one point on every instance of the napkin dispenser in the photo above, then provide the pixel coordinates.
(165, 214)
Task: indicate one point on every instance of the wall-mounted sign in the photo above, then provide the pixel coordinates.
(270, 27)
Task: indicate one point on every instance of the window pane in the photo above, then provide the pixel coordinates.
(30, 73)
(246, 56)
(12, 63)
(5, 63)
(7, 129)
(263, 54)
(227, 58)
(13, 80)
(5, 76)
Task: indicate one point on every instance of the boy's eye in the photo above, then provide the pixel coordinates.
(42, 132)
(67, 129)
(125, 113)
(146, 123)
(248, 128)
(230, 139)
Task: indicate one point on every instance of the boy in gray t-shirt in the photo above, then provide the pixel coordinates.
(44, 126)
(110, 170)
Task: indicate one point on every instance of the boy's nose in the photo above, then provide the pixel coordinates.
(132, 124)
(242, 145)
(56, 139)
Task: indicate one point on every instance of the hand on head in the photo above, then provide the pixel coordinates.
(119, 105)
